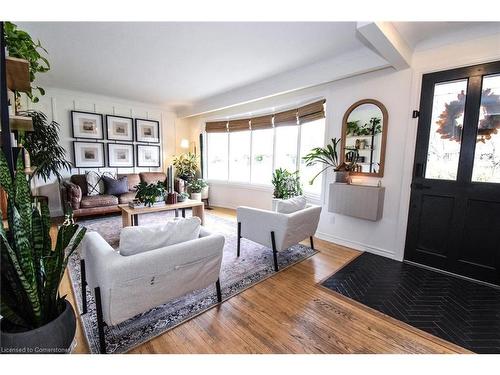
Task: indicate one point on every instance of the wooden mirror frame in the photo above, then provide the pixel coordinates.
(385, 122)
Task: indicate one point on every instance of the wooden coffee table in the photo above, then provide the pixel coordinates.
(130, 216)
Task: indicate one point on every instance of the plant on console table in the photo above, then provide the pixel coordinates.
(328, 158)
(196, 187)
(149, 194)
(34, 314)
(186, 167)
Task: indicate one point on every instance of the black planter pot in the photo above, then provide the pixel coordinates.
(54, 337)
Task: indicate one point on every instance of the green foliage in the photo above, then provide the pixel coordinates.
(286, 184)
(20, 45)
(42, 144)
(197, 186)
(373, 126)
(327, 156)
(149, 194)
(186, 166)
(31, 269)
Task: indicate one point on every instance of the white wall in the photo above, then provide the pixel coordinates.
(57, 104)
(399, 91)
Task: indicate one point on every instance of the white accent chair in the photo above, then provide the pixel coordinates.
(275, 230)
(124, 286)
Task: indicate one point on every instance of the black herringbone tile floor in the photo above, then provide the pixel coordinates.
(457, 310)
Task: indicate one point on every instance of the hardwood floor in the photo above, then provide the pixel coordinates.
(290, 313)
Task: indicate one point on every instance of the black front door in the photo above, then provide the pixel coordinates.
(454, 216)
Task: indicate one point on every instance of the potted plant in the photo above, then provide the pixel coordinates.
(181, 197)
(149, 194)
(20, 44)
(196, 187)
(186, 166)
(35, 317)
(286, 185)
(328, 157)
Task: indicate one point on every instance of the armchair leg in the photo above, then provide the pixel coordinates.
(100, 321)
(275, 252)
(239, 239)
(219, 293)
(312, 242)
(83, 279)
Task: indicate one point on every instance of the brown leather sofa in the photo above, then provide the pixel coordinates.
(74, 192)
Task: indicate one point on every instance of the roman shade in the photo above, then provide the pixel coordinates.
(311, 112)
(216, 127)
(239, 125)
(262, 122)
(286, 118)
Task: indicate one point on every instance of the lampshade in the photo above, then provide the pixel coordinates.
(184, 143)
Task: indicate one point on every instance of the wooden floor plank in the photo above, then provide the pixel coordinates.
(290, 313)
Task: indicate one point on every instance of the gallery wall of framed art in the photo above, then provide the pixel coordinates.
(126, 141)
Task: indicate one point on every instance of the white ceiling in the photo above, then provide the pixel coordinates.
(177, 64)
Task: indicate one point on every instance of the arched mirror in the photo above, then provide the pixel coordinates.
(364, 133)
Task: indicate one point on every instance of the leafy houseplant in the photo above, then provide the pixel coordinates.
(186, 166)
(286, 184)
(149, 194)
(31, 269)
(328, 157)
(196, 187)
(21, 45)
(47, 155)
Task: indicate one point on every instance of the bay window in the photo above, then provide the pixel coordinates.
(249, 150)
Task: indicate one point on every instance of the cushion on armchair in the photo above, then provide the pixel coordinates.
(289, 206)
(135, 240)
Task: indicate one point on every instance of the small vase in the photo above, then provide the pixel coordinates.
(196, 196)
(341, 176)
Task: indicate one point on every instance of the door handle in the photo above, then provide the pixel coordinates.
(419, 186)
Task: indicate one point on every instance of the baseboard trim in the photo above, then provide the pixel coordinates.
(356, 245)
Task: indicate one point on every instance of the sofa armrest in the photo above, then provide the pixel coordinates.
(72, 194)
(257, 225)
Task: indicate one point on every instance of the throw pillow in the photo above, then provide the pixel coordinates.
(135, 240)
(115, 187)
(288, 206)
(95, 184)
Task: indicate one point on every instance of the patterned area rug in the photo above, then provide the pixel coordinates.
(237, 274)
(460, 311)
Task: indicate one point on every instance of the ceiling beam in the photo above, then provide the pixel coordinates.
(387, 41)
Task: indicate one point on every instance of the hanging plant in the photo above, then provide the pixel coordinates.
(20, 44)
(450, 128)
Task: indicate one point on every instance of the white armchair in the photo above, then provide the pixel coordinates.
(275, 230)
(124, 286)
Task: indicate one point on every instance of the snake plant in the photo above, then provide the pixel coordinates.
(31, 270)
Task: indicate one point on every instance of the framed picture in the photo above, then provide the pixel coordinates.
(88, 154)
(87, 125)
(120, 155)
(120, 128)
(147, 131)
(148, 156)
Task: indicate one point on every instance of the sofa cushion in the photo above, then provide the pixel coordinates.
(288, 206)
(152, 177)
(100, 200)
(115, 186)
(133, 180)
(135, 240)
(80, 180)
(127, 197)
(95, 183)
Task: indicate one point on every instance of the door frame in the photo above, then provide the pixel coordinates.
(463, 184)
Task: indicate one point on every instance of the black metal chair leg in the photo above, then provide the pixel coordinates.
(275, 252)
(83, 279)
(312, 242)
(100, 321)
(239, 239)
(219, 293)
